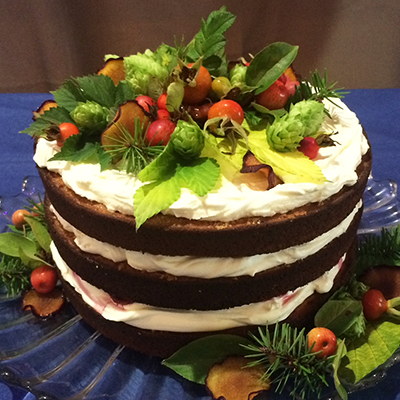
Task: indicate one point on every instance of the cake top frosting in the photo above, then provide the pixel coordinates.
(181, 131)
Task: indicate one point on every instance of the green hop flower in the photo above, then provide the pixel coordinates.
(311, 113)
(90, 116)
(187, 140)
(303, 120)
(237, 75)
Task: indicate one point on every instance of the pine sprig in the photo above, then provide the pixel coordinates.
(14, 275)
(131, 153)
(379, 250)
(317, 89)
(289, 361)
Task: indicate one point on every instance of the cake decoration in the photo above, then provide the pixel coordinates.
(194, 206)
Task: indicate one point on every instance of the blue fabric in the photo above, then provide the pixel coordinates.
(378, 111)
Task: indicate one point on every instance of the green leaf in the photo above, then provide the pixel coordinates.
(89, 153)
(152, 198)
(340, 353)
(368, 352)
(175, 92)
(194, 360)
(163, 167)
(11, 243)
(53, 116)
(339, 315)
(68, 95)
(200, 176)
(98, 88)
(40, 233)
(291, 167)
(269, 64)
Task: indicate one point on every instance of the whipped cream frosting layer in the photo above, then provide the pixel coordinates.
(116, 189)
(147, 317)
(210, 267)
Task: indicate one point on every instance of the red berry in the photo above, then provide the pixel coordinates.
(323, 340)
(18, 218)
(160, 132)
(162, 114)
(227, 108)
(275, 97)
(145, 102)
(67, 129)
(162, 102)
(309, 147)
(197, 94)
(43, 279)
(374, 304)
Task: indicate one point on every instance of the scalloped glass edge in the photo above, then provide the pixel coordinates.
(381, 210)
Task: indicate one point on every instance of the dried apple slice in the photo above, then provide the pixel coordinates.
(114, 68)
(46, 105)
(44, 305)
(124, 119)
(260, 176)
(233, 380)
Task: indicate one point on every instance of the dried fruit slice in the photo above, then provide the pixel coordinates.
(124, 119)
(44, 305)
(114, 68)
(233, 380)
(259, 176)
(46, 105)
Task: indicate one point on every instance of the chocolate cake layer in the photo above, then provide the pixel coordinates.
(164, 290)
(168, 235)
(163, 344)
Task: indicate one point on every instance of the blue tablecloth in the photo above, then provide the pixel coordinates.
(378, 111)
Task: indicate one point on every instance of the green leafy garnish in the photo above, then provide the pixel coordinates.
(210, 42)
(14, 275)
(194, 360)
(269, 64)
(379, 250)
(166, 176)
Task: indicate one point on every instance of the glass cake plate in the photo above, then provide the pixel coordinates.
(63, 358)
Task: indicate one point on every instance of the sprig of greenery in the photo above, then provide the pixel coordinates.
(14, 275)
(289, 361)
(379, 250)
(131, 153)
(318, 89)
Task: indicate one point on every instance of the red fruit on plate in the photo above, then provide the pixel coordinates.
(275, 97)
(18, 218)
(374, 304)
(227, 108)
(43, 279)
(160, 132)
(146, 102)
(322, 341)
(309, 147)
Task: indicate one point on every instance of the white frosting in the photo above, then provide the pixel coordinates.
(163, 319)
(116, 189)
(210, 267)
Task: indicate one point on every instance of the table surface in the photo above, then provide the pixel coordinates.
(377, 109)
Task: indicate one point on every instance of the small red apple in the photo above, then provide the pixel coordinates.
(43, 279)
(160, 132)
(275, 97)
(324, 341)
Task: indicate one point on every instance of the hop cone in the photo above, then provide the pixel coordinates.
(304, 119)
(237, 76)
(311, 113)
(90, 116)
(187, 140)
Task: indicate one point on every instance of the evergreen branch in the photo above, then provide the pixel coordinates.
(14, 275)
(130, 152)
(379, 250)
(289, 361)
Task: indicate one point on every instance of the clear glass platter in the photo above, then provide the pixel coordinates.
(63, 358)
